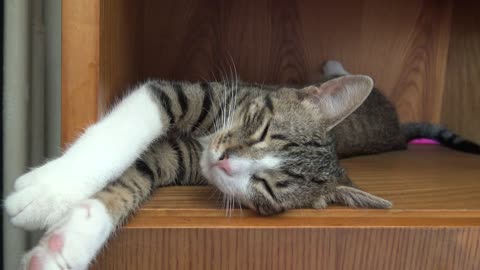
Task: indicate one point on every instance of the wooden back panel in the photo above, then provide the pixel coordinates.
(461, 99)
(402, 44)
(109, 46)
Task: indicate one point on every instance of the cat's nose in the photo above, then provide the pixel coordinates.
(224, 165)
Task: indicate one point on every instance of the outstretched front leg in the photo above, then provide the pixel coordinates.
(106, 149)
(73, 242)
(103, 152)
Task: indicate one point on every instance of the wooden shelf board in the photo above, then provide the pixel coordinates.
(429, 186)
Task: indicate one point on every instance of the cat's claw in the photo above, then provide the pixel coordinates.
(43, 196)
(74, 241)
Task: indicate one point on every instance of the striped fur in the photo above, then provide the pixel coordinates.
(172, 161)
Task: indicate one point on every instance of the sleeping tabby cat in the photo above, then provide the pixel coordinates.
(271, 148)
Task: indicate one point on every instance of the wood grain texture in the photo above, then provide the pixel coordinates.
(435, 224)
(402, 44)
(121, 40)
(294, 248)
(109, 46)
(461, 100)
(80, 66)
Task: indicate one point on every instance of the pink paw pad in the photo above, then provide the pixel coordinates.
(55, 243)
(35, 263)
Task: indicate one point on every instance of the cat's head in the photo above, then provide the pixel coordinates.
(278, 153)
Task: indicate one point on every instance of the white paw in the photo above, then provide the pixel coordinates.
(73, 242)
(332, 67)
(43, 196)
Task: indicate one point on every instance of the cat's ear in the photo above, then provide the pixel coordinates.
(335, 99)
(354, 197)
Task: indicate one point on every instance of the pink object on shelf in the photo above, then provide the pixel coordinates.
(423, 141)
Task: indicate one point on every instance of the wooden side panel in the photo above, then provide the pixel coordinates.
(294, 248)
(80, 65)
(100, 58)
(120, 48)
(461, 101)
(402, 44)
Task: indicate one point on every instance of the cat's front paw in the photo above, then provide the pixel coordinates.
(43, 196)
(74, 241)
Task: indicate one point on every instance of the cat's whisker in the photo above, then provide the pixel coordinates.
(214, 118)
(232, 104)
(215, 192)
(220, 111)
(240, 206)
(214, 76)
(224, 206)
(230, 93)
(224, 95)
(235, 90)
(226, 83)
(202, 131)
(232, 205)
(219, 195)
(229, 206)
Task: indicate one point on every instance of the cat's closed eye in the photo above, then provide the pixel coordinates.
(282, 184)
(265, 185)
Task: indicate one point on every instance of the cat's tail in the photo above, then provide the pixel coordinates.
(441, 134)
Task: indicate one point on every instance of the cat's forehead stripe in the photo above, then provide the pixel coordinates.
(268, 102)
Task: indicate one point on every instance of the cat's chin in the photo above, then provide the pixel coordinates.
(235, 185)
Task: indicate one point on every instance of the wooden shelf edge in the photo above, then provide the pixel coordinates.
(153, 219)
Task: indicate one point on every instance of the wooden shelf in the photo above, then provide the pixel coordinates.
(429, 186)
(435, 223)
